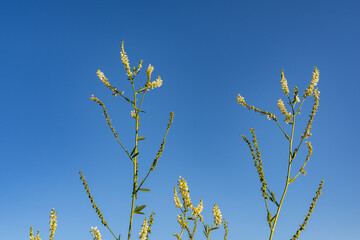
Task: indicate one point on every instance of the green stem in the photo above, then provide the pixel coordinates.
(287, 176)
(134, 164)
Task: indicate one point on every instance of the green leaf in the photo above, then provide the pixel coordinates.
(273, 196)
(213, 228)
(132, 152)
(292, 180)
(138, 209)
(133, 156)
(141, 138)
(268, 217)
(144, 189)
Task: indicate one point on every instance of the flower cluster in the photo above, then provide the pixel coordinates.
(149, 70)
(242, 102)
(312, 115)
(314, 81)
(284, 84)
(32, 236)
(97, 210)
(125, 61)
(311, 209)
(283, 110)
(144, 230)
(96, 233)
(307, 157)
(53, 224)
(184, 191)
(217, 215)
(157, 83)
(176, 199)
(133, 114)
(197, 210)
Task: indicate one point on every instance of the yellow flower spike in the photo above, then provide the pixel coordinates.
(283, 110)
(144, 230)
(150, 222)
(176, 199)
(31, 233)
(96, 233)
(283, 82)
(314, 81)
(312, 115)
(242, 102)
(307, 157)
(184, 191)
(311, 209)
(226, 229)
(53, 224)
(155, 84)
(125, 61)
(197, 210)
(104, 80)
(139, 67)
(97, 210)
(149, 70)
(38, 236)
(217, 215)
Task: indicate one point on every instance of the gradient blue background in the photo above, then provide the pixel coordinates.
(206, 52)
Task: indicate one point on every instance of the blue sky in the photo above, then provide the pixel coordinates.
(206, 52)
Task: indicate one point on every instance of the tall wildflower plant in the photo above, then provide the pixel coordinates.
(295, 102)
(190, 213)
(133, 153)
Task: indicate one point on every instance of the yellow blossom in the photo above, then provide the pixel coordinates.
(149, 70)
(184, 191)
(241, 100)
(314, 81)
(217, 215)
(102, 77)
(96, 233)
(176, 199)
(53, 224)
(155, 84)
(284, 83)
(197, 211)
(144, 230)
(125, 61)
(133, 114)
(282, 109)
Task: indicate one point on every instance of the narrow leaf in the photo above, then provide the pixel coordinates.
(132, 152)
(269, 217)
(141, 138)
(292, 180)
(138, 209)
(273, 196)
(144, 189)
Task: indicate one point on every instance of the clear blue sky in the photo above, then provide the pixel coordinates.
(206, 52)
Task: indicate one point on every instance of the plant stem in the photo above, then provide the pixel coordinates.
(134, 163)
(287, 176)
